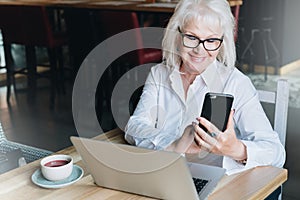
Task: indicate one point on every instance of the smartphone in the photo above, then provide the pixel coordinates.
(216, 108)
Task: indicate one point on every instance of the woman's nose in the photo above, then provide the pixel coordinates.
(199, 49)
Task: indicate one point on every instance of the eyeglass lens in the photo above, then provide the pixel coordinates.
(193, 42)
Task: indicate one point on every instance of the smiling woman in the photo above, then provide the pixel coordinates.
(199, 57)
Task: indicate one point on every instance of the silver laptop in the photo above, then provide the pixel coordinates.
(158, 174)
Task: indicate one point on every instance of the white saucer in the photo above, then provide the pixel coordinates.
(38, 178)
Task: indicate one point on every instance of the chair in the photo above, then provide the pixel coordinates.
(110, 24)
(236, 11)
(13, 154)
(280, 98)
(30, 26)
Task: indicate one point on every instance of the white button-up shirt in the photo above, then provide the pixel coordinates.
(163, 113)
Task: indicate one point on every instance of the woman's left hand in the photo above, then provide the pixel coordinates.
(221, 143)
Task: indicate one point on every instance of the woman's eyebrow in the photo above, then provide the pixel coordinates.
(213, 35)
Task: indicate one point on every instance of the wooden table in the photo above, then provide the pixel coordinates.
(159, 7)
(143, 6)
(255, 183)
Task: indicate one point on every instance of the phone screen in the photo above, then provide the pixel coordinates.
(216, 108)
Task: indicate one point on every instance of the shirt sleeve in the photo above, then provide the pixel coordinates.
(255, 131)
(143, 128)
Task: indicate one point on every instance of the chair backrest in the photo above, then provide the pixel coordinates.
(280, 98)
(114, 22)
(25, 25)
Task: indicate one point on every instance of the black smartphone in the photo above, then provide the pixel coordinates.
(216, 108)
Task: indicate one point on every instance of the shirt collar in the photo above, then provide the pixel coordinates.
(214, 77)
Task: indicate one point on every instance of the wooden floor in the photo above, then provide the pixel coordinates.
(31, 122)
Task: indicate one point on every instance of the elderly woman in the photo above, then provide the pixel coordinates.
(199, 57)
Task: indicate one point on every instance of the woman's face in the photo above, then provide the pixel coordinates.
(196, 60)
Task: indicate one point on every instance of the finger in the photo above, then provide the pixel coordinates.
(230, 123)
(197, 135)
(203, 136)
(211, 128)
(214, 134)
(207, 147)
(202, 144)
(197, 139)
(199, 131)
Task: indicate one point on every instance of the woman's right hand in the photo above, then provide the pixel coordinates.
(184, 143)
(222, 143)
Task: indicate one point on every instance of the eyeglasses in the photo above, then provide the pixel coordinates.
(191, 41)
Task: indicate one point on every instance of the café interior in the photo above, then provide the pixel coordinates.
(44, 44)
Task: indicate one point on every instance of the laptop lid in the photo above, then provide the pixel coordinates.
(158, 174)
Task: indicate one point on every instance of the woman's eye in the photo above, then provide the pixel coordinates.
(190, 37)
(211, 40)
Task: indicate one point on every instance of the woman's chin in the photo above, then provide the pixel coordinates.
(197, 69)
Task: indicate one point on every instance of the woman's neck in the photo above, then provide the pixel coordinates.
(187, 80)
(188, 77)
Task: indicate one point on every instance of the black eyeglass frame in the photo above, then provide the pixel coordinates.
(200, 41)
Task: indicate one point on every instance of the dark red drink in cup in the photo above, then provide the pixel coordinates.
(57, 167)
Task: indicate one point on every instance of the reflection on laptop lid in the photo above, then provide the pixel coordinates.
(159, 174)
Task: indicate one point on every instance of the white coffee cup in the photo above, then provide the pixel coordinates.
(56, 167)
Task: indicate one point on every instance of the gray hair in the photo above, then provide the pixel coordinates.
(213, 12)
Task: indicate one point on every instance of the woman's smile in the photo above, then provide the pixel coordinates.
(196, 59)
